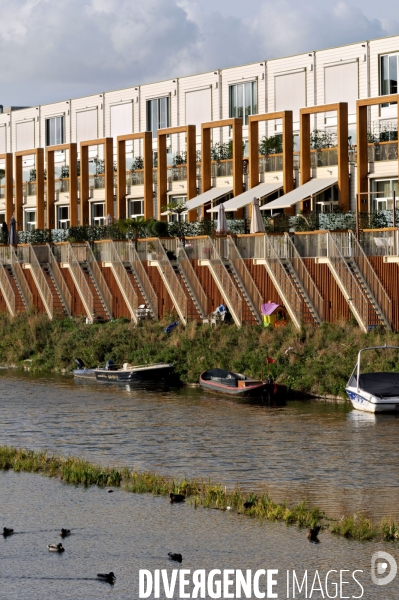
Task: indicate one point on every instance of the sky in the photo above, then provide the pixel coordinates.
(53, 51)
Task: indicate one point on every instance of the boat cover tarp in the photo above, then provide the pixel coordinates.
(269, 308)
(380, 384)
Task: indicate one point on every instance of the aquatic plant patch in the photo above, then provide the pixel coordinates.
(197, 493)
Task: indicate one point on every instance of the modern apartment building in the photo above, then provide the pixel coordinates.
(131, 152)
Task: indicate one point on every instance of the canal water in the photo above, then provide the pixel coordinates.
(323, 452)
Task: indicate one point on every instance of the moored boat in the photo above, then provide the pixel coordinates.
(148, 374)
(375, 391)
(221, 381)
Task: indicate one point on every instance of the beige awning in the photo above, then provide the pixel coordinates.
(212, 194)
(311, 188)
(260, 191)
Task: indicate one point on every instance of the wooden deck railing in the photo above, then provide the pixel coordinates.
(7, 291)
(60, 281)
(351, 248)
(65, 253)
(108, 252)
(246, 278)
(99, 279)
(192, 279)
(21, 280)
(305, 278)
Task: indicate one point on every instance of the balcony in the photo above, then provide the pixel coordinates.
(381, 151)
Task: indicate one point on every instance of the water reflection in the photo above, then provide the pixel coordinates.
(341, 460)
(127, 532)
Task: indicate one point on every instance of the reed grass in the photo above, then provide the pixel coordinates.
(199, 493)
(314, 360)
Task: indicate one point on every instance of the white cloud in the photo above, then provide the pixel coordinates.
(56, 50)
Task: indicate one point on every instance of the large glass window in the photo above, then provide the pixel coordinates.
(63, 217)
(389, 74)
(97, 213)
(158, 114)
(177, 201)
(30, 220)
(383, 194)
(54, 131)
(136, 208)
(243, 100)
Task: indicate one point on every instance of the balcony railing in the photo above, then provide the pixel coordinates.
(382, 151)
(222, 168)
(379, 243)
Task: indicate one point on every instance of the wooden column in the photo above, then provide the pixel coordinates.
(84, 185)
(362, 157)
(237, 157)
(40, 188)
(50, 203)
(191, 144)
(73, 185)
(253, 143)
(162, 174)
(121, 178)
(304, 147)
(148, 185)
(288, 151)
(206, 157)
(18, 192)
(343, 158)
(109, 176)
(9, 185)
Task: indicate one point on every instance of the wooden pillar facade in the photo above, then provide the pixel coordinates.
(38, 153)
(146, 138)
(362, 145)
(9, 185)
(108, 144)
(51, 217)
(236, 125)
(190, 132)
(288, 148)
(343, 159)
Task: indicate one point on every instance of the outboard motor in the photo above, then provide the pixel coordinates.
(80, 363)
(110, 365)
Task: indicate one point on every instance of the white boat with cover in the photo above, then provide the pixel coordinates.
(376, 391)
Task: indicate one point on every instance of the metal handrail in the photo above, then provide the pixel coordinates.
(370, 276)
(305, 278)
(355, 293)
(109, 253)
(231, 295)
(20, 277)
(7, 291)
(193, 281)
(99, 279)
(41, 283)
(144, 280)
(67, 255)
(177, 293)
(60, 281)
(246, 278)
(5, 255)
(294, 302)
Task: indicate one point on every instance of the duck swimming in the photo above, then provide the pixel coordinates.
(109, 577)
(313, 533)
(176, 497)
(56, 548)
(7, 532)
(65, 532)
(176, 557)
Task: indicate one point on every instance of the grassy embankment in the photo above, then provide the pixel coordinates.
(199, 493)
(314, 360)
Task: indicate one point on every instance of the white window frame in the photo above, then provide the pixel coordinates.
(233, 89)
(378, 200)
(61, 138)
(98, 220)
(178, 199)
(30, 225)
(63, 223)
(130, 202)
(150, 114)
